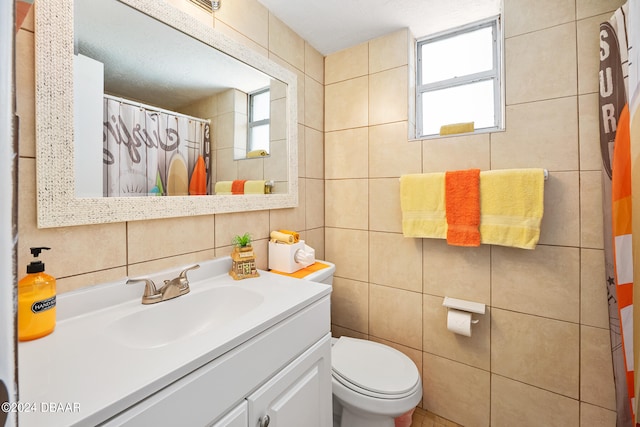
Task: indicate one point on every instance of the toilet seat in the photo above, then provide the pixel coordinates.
(373, 369)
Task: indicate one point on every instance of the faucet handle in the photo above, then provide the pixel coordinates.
(183, 273)
(182, 280)
(151, 293)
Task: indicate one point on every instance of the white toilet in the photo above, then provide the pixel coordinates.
(372, 383)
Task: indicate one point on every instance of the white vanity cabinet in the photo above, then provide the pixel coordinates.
(237, 417)
(299, 395)
(279, 378)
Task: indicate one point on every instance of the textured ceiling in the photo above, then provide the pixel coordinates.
(333, 25)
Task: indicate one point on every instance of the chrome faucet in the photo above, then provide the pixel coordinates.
(171, 289)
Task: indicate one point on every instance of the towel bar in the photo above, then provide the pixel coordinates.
(546, 174)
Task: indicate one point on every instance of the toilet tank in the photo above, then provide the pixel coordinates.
(320, 271)
(324, 275)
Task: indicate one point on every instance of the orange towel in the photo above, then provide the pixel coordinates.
(302, 273)
(198, 184)
(462, 200)
(237, 187)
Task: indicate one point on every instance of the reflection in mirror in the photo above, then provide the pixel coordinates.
(147, 118)
(157, 128)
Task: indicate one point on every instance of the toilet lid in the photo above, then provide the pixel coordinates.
(374, 367)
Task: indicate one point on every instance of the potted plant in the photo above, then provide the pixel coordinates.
(241, 242)
(243, 258)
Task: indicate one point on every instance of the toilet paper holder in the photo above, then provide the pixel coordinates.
(459, 318)
(462, 305)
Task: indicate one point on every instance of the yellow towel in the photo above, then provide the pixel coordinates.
(511, 207)
(254, 187)
(223, 187)
(455, 128)
(257, 153)
(423, 205)
(296, 236)
(278, 237)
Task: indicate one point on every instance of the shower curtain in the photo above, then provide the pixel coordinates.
(149, 151)
(618, 263)
(21, 11)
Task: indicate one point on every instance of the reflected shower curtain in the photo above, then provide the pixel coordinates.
(22, 9)
(149, 151)
(613, 97)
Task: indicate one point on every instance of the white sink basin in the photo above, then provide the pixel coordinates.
(163, 323)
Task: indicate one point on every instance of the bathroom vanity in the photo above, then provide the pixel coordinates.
(254, 352)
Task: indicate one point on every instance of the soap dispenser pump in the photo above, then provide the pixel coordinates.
(36, 301)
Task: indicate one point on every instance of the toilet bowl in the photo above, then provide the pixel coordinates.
(372, 383)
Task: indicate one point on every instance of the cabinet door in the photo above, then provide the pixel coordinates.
(237, 417)
(299, 395)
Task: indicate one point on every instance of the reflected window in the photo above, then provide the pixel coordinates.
(458, 79)
(259, 120)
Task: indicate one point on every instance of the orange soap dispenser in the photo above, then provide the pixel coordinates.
(36, 301)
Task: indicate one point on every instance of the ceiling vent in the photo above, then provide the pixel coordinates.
(208, 5)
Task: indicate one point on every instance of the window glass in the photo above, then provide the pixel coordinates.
(459, 104)
(259, 119)
(458, 79)
(260, 106)
(456, 56)
(260, 138)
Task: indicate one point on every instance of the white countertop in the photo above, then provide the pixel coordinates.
(89, 375)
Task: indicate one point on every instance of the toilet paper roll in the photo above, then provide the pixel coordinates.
(460, 322)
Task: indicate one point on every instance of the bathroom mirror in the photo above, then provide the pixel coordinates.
(60, 155)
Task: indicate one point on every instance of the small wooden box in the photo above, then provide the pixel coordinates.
(243, 263)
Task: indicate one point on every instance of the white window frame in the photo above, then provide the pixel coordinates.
(494, 74)
(255, 123)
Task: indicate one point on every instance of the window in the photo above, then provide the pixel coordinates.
(458, 78)
(259, 112)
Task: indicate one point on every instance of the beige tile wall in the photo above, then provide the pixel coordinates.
(86, 255)
(540, 356)
(541, 353)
